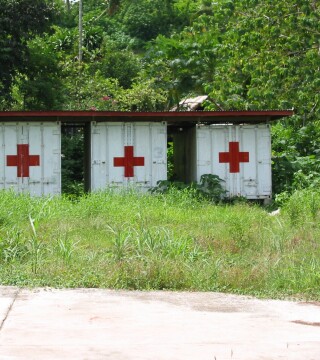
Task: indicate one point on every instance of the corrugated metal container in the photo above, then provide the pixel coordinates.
(126, 154)
(239, 155)
(30, 157)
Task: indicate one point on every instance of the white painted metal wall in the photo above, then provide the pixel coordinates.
(240, 155)
(112, 144)
(30, 157)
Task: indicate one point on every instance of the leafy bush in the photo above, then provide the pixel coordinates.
(209, 187)
(298, 174)
(146, 19)
(72, 170)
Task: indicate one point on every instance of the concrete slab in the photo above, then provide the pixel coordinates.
(7, 298)
(120, 325)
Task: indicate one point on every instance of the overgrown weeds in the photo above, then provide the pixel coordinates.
(161, 241)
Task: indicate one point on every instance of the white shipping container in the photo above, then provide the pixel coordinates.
(30, 157)
(239, 154)
(126, 154)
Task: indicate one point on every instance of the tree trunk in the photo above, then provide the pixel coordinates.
(68, 5)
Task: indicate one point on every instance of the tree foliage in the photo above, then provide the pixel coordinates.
(20, 20)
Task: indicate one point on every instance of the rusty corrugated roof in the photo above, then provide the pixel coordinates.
(186, 117)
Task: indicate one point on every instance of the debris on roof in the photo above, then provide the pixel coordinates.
(191, 104)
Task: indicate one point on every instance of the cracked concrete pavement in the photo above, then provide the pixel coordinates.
(159, 325)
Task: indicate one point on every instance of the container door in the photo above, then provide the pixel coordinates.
(128, 154)
(264, 172)
(30, 159)
(239, 155)
(256, 177)
(10, 137)
(150, 142)
(107, 142)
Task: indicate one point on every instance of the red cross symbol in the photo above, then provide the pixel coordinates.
(234, 157)
(23, 160)
(128, 161)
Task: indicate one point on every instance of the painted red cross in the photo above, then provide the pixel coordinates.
(128, 161)
(23, 160)
(234, 157)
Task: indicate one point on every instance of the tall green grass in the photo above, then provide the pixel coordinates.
(173, 241)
